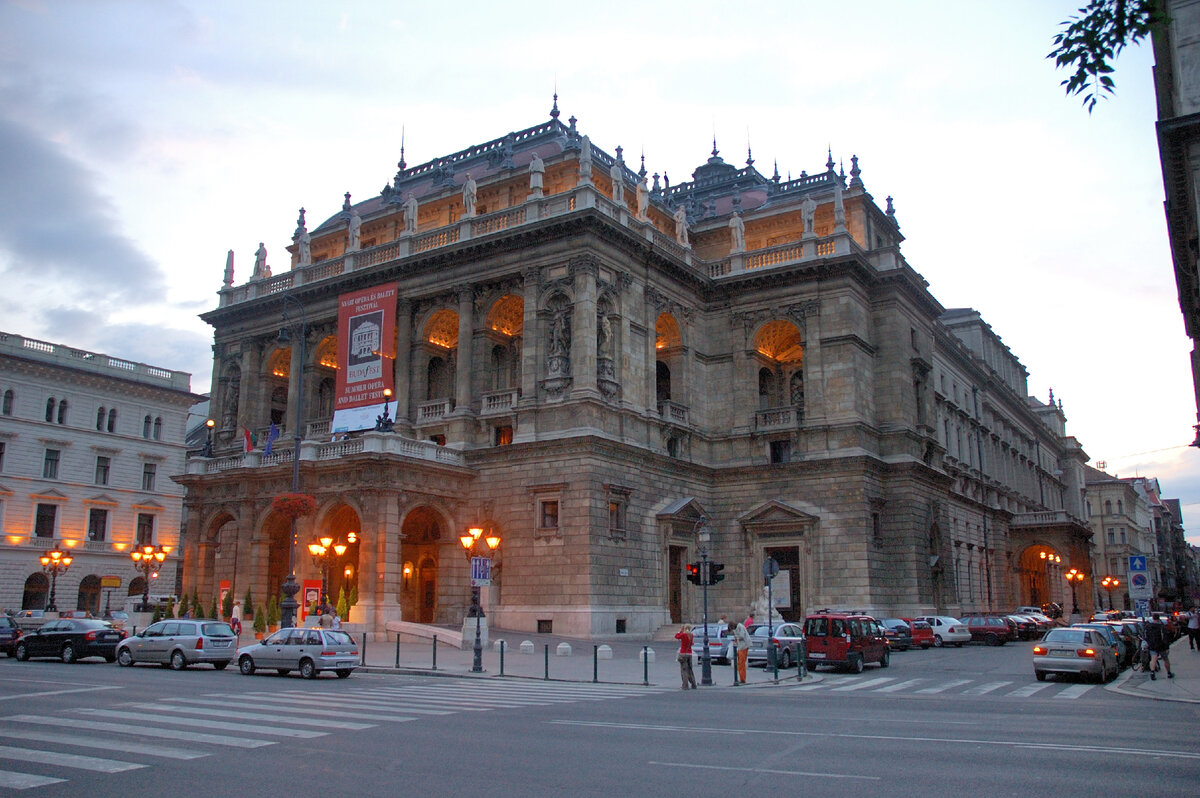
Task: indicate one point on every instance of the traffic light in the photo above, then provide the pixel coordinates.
(714, 572)
(693, 573)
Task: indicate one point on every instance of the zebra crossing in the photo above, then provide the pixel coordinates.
(144, 734)
(928, 687)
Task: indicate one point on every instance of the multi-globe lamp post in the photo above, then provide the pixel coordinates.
(55, 562)
(325, 552)
(1110, 583)
(1074, 576)
(287, 607)
(474, 540)
(148, 559)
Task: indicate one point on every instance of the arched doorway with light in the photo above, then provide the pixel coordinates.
(424, 533)
(334, 550)
(37, 592)
(89, 594)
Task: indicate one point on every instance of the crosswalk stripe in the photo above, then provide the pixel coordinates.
(1028, 690)
(107, 744)
(1074, 691)
(150, 718)
(944, 687)
(804, 688)
(123, 728)
(289, 710)
(984, 689)
(25, 781)
(892, 688)
(350, 704)
(863, 685)
(76, 761)
(235, 714)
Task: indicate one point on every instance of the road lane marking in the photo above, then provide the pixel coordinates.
(1074, 691)
(1027, 690)
(289, 704)
(692, 765)
(25, 781)
(1089, 749)
(944, 687)
(59, 692)
(984, 689)
(290, 710)
(76, 761)
(864, 684)
(892, 688)
(151, 718)
(237, 715)
(125, 728)
(106, 744)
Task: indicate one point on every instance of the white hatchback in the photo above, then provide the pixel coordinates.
(947, 630)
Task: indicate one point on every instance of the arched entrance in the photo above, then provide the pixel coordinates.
(423, 533)
(278, 529)
(343, 525)
(89, 594)
(37, 592)
(1037, 564)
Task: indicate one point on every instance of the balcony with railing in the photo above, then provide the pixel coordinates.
(673, 412)
(322, 451)
(429, 412)
(778, 418)
(497, 403)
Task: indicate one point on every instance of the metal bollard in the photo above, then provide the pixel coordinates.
(646, 665)
(503, 646)
(595, 663)
(397, 651)
(775, 660)
(547, 676)
(364, 649)
(802, 660)
(434, 653)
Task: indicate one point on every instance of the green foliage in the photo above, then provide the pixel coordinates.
(183, 605)
(170, 608)
(260, 620)
(212, 609)
(343, 609)
(1093, 39)
(273, 611)
(353, 596)
(157, 614)
(197, 610)
(248, 605)
(227, 605)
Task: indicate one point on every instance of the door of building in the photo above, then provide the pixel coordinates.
(675, 583)
(788, 557)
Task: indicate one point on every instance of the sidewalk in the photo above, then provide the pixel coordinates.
(580, 665)
(1185, 687)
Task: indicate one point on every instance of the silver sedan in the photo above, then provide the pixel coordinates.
(1075, 650)
(308, 651)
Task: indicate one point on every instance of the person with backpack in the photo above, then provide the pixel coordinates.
(1160, 649)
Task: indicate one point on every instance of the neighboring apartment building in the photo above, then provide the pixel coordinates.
(88, 446)
(601, 367)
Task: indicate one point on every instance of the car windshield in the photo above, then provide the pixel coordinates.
(1066, 636)
(337, 638)
(217, 630)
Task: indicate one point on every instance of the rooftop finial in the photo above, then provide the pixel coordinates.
(855, 172)
(346, 204)
(402, 164)
(749, 155)
(775, 176)
(620, 156)
(642, 171)
(842, 168)
(714, 152)
(554, 108)
(829, 164)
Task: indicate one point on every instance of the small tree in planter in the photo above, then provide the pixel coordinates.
(227, 605)
(353, 596)
(248, 605)
(157, 614)
(260, 623)
(343, 609)
(197, 610)
(212, 609)
(273, 613)
(171, 608)
(183, 605)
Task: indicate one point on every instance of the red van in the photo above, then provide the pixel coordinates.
(846, 640)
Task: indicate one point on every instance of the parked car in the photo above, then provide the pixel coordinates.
(991, 629)
(898, 633)
(118, 618)
(1129, 634)
(1027, 628)
(1075, 650)
(719, 643)
(180, 643)
(309, 651)
(71, 639)
(922, 633)
(947, 630)
(786, 637)
(844, 640)
(1110, 634)
(30, 619)
(9, 634)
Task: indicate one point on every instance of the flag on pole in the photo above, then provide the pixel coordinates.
(271, 436)
(249, 441)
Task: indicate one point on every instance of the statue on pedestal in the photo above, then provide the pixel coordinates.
(470, 192)
(537, 168)
(261, 269)
(410, 215)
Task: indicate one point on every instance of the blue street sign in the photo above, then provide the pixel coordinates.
(1137, 563)
(481, 572)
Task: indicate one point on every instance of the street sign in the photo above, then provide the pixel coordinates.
(1139, 585)
(770, 568)
(481, 572)
(110, 581)
(1137, 563)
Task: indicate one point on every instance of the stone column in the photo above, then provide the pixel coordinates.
(379, 562)
(466, 350)
(403, 364)
(295, 386)
(252, 388)
(583, 328)
(191, 548)
(531, 337)
(651, 381)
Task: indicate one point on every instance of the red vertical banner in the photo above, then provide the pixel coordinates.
(310, 594)
(366, 338)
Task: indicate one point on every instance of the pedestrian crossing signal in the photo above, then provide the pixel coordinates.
(714, 572)
(693, 573)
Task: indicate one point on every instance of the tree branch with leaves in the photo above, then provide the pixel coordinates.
(1092, 40)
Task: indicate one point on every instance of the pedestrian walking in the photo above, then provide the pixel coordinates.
(235, 620)
(1193, 629)
(741, 639)
(1160, 649)
(686, 672)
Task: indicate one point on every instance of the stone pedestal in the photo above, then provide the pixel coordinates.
(468, 633)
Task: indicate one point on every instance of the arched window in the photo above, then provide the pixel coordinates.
(501, 365)
(8, 402)
(112, 420)
(1107, 507)
(1120, 507)
(438, 379)
(62, 412)
(662, 381)
(766, 388)
(146, 427)
(325, 393)
(158, 428)
(37, 591)
(50, 410)
(100, 420)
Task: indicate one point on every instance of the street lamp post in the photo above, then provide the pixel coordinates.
(148, 559)
(287, 607)
(1074, 576)
(324, 553)
(470, 543)
(208, 449)
(55, 562)
(703, 536)
(1110, 583)
(384, 423)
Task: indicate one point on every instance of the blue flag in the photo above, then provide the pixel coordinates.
(271, 436)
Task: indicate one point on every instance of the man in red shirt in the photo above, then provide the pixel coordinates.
(685, 638)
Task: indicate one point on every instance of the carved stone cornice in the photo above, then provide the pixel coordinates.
(583, 264)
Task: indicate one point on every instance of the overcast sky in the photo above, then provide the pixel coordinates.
(140, 141)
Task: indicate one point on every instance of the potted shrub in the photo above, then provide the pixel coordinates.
(227, 606)
(260, 623)
(273, 614)
(212, 609)
(248, 606)
(183, 606)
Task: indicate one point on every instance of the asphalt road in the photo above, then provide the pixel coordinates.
(99, 730)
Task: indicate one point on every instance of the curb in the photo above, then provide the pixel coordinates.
(1118, 686)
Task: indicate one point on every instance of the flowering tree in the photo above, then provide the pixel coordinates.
(294, 505)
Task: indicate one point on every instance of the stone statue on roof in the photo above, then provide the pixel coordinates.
(470, 192)
(681, 227)
(839, 208)
(354, 242)
(537, 168)
(410, 215)
(304, 245)
(261, 269)
(585, 160)
(808, 210)
(617, 173)
(737, 233)
(229, 269)
(643, 198)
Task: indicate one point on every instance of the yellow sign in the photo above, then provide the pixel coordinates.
(110, 581)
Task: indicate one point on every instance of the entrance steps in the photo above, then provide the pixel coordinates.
(410, 632)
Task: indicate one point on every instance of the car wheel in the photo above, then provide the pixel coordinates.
(124, 658)
(68, 653)
(992, 640)
(178, 661)
(886, 659)
(856, 663)
(307, 669)
(1039, 675)
(246, 666)
(785, 659)
(221, 665)
(344, 673)
(22, 653)
(937, 641)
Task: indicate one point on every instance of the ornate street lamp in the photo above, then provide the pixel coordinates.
(471, 543)
(148, 559)
(384, 423)
(55, 562)
(703, 537)
(1074, 576)
(325, 553)
(208, 450)
(287, 607)
(1110, 583)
